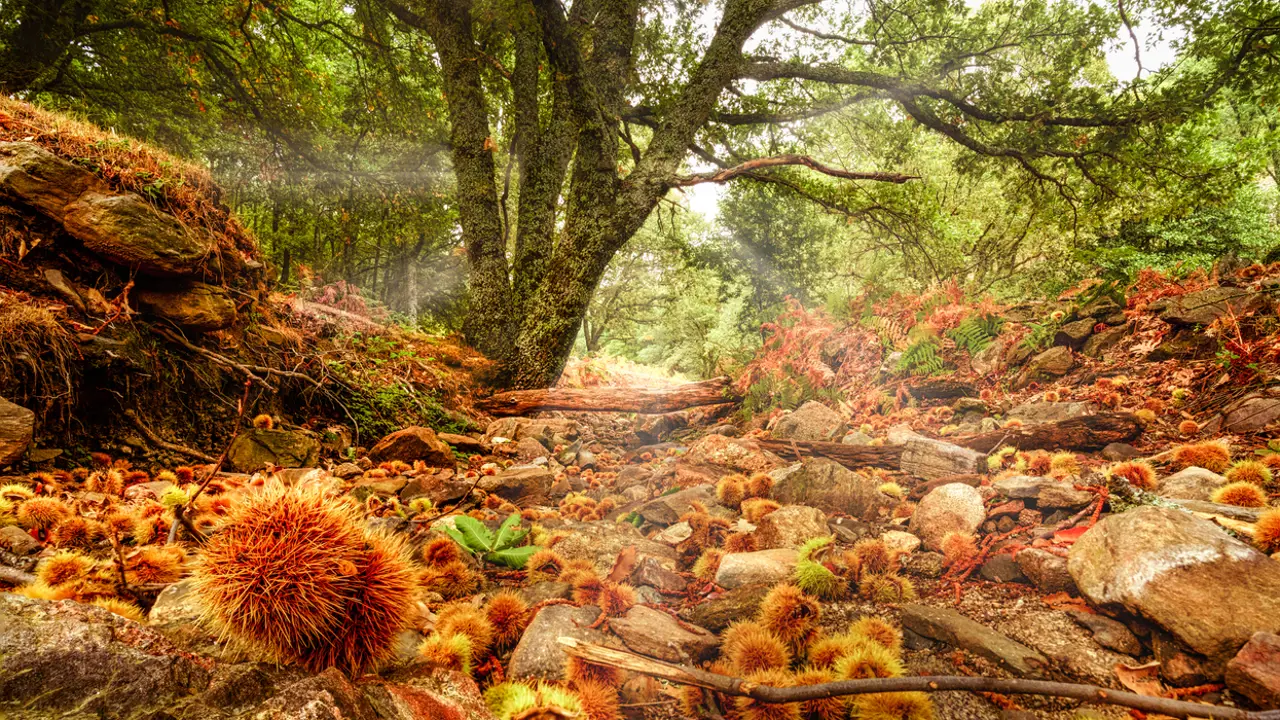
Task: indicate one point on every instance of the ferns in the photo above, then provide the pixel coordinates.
(976, 332)
(1042, 334)
(891, 333)
(921, 358)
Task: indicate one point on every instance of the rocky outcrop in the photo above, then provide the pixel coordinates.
(17, 426)
(1202, 307)
(1052, 363)
(732, 454)
(1209, 590)
(195, 306)
(829, 486)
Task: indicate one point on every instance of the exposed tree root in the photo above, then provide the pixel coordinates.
(161, 443)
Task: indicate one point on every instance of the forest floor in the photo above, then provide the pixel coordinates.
(1079, 491)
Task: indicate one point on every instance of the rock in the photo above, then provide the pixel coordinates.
(733, 454)
(656, 634)
(1001, 569)
(1074, 334)
(177, 603)
(1039, 411)
(18, 541)
(1119, 452)
(1100, 343)
(1047, 571)
(41, 179)
(667, 509)
(900, 542)
(632, 476)
(546, 590)
(674, 534)
(17, 428)
(1209, 590)
(857, 438)
(656, 575)
(194, 306)
(1181, 666)
(933, 459)
(147, 490)
(829, 486)
(521, 484)
(256, 448)
(810, 421)
(717, 613)
(601, 541)
(1252, 413)
(1202, 307)
(1063, 494)
(1052, 363)
(1193, 483)
(418, 692)
(1249, 515)
(538, 655)
(790, 526)
(954, 629)
(326, 696)
(1021, 487)
(1111, 634)
(464, 443)
(954, 507)
(413, 443)
(346, 471)
(1184, 345)
(923, 564)
(527, 450)
(1255, 671)
(761, 566)
(64, 659)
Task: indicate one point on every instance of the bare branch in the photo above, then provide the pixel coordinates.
(727, 174)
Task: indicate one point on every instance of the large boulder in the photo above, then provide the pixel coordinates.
(810, 421)
(17, 427)
(761, 566)
(1209, 590)
(129, 231)
(413, 443)
(954, 507)
(60, 659)
(829, 486)
(257, 447)
(1202, 307)
(38, 178)
(195, 306)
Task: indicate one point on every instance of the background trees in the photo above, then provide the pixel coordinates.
(519, 148)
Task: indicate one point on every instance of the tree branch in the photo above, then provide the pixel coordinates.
(727, 174)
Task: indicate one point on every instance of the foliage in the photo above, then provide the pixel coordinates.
(921, 358)
(503, 548)
(976, 332)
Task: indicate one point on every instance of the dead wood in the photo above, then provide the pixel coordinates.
(608, 399)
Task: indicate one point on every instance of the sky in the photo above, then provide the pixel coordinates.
(1156, 53)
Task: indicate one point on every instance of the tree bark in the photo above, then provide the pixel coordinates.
(853, 457)
(608, 399)
(1087, 433)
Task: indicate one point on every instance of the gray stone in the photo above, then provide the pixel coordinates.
(1062, 494)
(528, 450)
(954, 629)
(539, 655)
(1184, 345)
(761, 566)
(829, 486)
(790, 526)
(1022, 487)
(62, 659)
(810, 421)
(1074, 334)
(1001, 569)
(1209, 590)
(658, 576)
(1052, 363)
(535, 593)
(632, 476)
(1255, 671)
(256, 448)
(1099, 343)
(954, 507)
(17, 428)
(192, 306)
(601, 541)
(1119, 452)
(1193, 483)
(718, 612)
(667, 509)
(1202, 307)
(857, 439)
(742, 455)
(1252, 413)
(933, 459)
(1046, 571)
(656, 634)
(1040, 411)
(18, 541)
(1111, 634)
(326, 696)
(521, 484)
(177, 603)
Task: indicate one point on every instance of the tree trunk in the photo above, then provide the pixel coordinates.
(608, 399)
(1088, 433)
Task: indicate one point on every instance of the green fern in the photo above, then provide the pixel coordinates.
(1042, 334)
(921, 358)
(976, 332)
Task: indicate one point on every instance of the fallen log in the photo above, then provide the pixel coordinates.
(741, 687)
(1086, 433)
(940, 389)
(609, 399)
(888, 457)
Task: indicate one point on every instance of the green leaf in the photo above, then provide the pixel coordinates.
(457, 537)
(479, 539)
(507, 532)
(513, 557)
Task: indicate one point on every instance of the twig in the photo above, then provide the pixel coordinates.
(161, 443)
(247, 370)
(727, 685)
(123, 583)
(180, 510)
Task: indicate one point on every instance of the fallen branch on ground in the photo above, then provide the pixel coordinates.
(888, 457)
(728, 685)
(161, 443)
(180, 510)
(1081, 434)
(608, 399)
